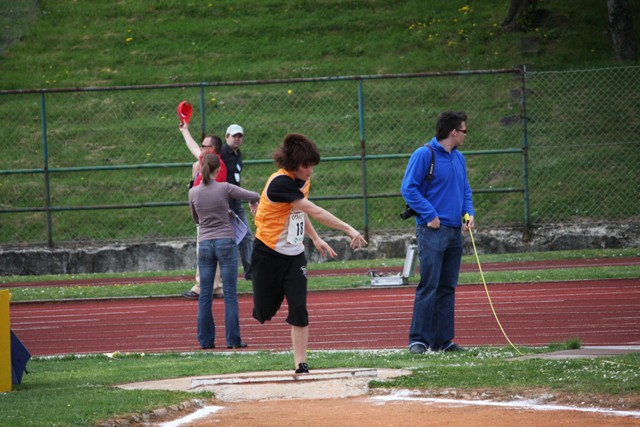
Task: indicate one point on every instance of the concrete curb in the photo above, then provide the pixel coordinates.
(276, 385)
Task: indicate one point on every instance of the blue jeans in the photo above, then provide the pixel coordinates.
(246, 245)
(210, 253)
(440, 253)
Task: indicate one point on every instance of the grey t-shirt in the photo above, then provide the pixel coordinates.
(209, 206)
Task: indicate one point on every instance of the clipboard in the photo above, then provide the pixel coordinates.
(239, 228)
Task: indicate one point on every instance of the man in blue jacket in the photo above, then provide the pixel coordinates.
(439, 199)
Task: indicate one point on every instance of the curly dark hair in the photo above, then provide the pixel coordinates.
(296, 150)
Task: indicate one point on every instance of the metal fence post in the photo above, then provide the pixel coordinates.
(203, 124)
(526, 236)
(363, 155)
(45, 168)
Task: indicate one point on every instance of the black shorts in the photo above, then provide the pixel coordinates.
(276, 277)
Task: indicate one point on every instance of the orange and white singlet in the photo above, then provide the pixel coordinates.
(278, 224)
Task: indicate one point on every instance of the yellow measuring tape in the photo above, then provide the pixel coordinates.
(465, 219)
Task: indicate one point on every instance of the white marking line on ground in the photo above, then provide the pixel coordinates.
(519, 404)
(200, 413)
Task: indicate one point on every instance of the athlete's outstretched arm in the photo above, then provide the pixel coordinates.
(330, 220)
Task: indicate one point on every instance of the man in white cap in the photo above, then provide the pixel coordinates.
(232, 158)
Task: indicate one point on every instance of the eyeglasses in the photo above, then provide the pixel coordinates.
(462, 130)
(206, 146)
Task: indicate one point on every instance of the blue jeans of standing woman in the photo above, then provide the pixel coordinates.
(440, 253)
(210, 253)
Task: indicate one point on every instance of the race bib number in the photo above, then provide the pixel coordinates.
(295, 234)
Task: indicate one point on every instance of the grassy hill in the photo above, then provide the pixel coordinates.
(103, 43)
(82, 44)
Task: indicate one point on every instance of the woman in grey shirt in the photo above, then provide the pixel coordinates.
(209, 204)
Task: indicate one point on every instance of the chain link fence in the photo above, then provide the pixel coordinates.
(584, 141)
(109, 164)
(15, 18)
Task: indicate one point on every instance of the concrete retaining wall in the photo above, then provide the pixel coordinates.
(181, 255)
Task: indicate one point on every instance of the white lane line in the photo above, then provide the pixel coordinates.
(200, 413)
(518, 404)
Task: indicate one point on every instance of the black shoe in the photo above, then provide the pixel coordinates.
(303, 368)
(453, 347)
(418, 348)
(241, 345)
(208, 347)
(190, 295)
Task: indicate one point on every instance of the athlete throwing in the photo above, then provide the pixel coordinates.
(279, 264)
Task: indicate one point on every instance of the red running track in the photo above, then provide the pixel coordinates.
(597, 312)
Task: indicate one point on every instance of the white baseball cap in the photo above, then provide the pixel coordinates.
(234, 129)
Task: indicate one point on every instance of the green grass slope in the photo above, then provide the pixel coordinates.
(85, 43)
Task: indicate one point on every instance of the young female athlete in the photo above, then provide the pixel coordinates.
(279, 263)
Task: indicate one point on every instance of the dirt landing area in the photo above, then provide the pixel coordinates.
(370, 411)
(341, 397)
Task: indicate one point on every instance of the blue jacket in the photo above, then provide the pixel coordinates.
(448, 196)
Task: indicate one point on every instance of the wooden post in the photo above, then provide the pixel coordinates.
(5, 342)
